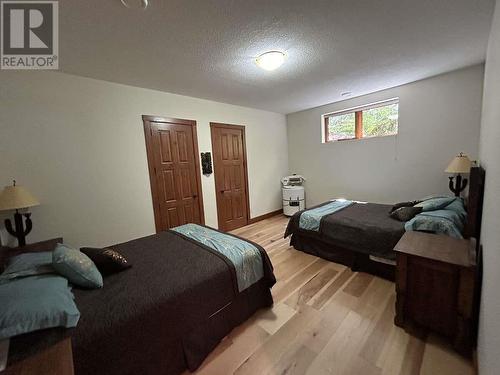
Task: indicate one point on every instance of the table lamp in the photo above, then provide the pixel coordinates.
(460, 164)
(16, 198)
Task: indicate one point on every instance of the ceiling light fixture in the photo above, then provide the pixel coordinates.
(135, 4)
(270, 60)
(346, 94)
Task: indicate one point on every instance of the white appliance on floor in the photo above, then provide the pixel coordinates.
(293, 194)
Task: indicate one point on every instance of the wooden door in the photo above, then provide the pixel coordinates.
(231, 180)
(174, 171)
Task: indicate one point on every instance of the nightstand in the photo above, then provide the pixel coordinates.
(435, 286)
(55, 360)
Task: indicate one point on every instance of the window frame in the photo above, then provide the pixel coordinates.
(358, 119)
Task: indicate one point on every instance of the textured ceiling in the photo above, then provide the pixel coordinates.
(206, 48)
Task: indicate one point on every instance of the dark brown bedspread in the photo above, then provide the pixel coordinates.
(365, 228)
(141, 316)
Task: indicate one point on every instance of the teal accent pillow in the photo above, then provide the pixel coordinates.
(34, 303)
(28, 264)
(458, 207)
(76, 267)
(445, 222)
(435, 203)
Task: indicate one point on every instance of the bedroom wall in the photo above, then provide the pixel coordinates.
(438, 117)
(78, 145)
(489, 155)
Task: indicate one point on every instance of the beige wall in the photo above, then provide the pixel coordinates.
(438, 117)
(78, 145)
(489, 154)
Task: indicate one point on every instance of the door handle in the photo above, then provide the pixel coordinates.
(195, 196)
(222, 191)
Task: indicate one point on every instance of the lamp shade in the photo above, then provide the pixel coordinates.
(459, 164)
(16, 197)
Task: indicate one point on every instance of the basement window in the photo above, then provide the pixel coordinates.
(378, 119)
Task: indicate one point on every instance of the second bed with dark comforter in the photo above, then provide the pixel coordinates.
(359, 227)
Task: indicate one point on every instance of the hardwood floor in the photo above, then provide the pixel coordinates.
(326, 320)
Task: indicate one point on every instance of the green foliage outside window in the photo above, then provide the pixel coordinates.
(374, 122)
(380, 121)
(341, 127)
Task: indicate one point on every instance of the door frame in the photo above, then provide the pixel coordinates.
(245, 166)
(147, 120)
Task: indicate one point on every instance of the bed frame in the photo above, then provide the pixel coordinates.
(359, 261)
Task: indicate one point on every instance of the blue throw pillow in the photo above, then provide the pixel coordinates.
(445, 222)
(458, 207)
(435, 203)
(76, 267)
(34, 303)
(28, 264)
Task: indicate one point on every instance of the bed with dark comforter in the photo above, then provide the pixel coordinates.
(163, 315)
(350, 236)
(363, 227)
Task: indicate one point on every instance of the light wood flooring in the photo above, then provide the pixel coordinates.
(326, 320)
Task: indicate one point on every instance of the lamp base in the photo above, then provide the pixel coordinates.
(19, 232)
(459, 185)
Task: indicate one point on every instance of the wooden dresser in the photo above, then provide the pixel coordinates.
(435, 286)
